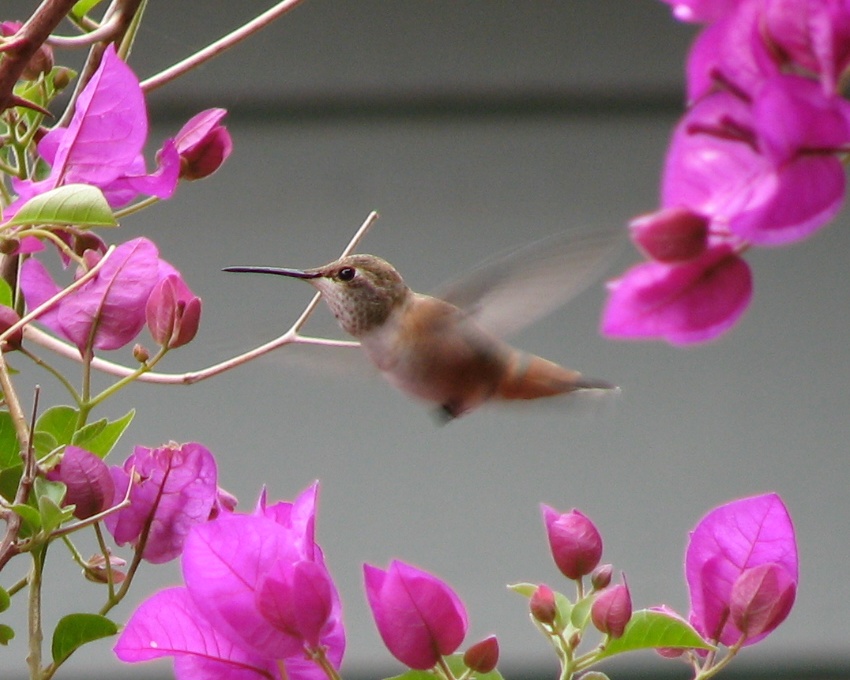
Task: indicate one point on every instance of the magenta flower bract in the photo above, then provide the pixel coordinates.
(483, 656)
(256, 592)
(172, 489)
(203, 144)
(103, 143)
(612, 610)
(682, 303)
(110, 310)
(761, 599)
(757, 158)
(173, 312)
(88, 480)
(574, 540)
(725, 546)
(419, 617)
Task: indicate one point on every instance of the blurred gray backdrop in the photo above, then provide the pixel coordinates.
(473, 126)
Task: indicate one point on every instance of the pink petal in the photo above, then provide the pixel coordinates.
(729, 539)
(681, 303)
(111, 307)
(38, 287)
(224, 562)
(177, 485)
(169, 624)
(418, 616)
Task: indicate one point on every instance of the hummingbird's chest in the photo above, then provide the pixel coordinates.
(430, 349)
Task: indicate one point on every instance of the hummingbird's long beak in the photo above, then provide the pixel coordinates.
(280, 271)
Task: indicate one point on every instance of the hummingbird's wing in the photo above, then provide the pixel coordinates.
(514, 289)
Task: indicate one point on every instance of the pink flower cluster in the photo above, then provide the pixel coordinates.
(258, 601)
(755, 161)
(170, 489)
(102, 145)
(740, 564)
(134, 286)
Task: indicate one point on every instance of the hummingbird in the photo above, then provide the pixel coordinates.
(447, 349)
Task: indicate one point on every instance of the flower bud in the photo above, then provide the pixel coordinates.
(670, 234)
(88, 480)
(612, 609)
(8, 318)
(95, 569)
(543, 606)
(575, 542)
(761, 599)
(9, 246)
(141, 353)
(483, 656)
(203, 144)
(173, 312)
(601, 576)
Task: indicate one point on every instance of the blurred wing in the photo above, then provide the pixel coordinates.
(515, 289)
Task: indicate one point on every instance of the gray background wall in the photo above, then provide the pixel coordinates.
(473, 126)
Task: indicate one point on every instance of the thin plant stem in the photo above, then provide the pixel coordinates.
(34, 631)
(219, 46)
(291, 336)
(136, 207)
(38, 361)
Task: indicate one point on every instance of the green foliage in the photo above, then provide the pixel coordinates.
(101, 436)
(82, 205)
(51, 496)
(9, 449)
(6, 634)
(649, 629)
(75, 630)
(6, 296)
(57, 425)
(83, 7)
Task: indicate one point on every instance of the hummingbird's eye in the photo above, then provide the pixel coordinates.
(346, 273)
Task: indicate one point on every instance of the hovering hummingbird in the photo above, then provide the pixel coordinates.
(447, 349)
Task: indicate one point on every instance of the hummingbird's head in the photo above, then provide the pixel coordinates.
(361, 290)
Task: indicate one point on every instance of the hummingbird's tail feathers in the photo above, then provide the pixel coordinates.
(532, 377)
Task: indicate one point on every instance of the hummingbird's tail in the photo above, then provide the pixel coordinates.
(532, 377)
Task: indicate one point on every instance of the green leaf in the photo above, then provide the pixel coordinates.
(83, 7)
(51, 496)
(581, 612)
(5, 600)
(43, 443)
(100, 440)
(78, 204)
(32, 520)
(524, 589)
(59, 421)
(75, 630)
(55, 491)
(6, 634)
(10, 452)
(564, 609)
(9, 480)
(649, 629)
(5, 293)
